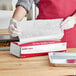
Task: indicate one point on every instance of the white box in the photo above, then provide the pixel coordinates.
(36, 48)
(62, 59)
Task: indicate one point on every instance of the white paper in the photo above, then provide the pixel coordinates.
(40, 30)
(61, 58)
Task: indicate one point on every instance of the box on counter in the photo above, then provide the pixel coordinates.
(62, 59)
(36, 48)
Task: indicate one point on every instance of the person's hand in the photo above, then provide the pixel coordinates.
(13, 28)
(68, 23)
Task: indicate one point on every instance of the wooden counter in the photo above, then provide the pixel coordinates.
(4, 31)
(34, 66)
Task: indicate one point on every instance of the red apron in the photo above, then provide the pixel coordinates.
(53, 9)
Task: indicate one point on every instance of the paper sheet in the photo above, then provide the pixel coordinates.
(40, 30)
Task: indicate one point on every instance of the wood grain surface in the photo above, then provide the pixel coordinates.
(4, 31)
(34, 66)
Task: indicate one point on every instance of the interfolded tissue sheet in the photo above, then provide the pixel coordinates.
(38, 30)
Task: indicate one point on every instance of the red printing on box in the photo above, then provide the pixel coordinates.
(71, 61)
(37, 54)
(38, 43)
(32, 55)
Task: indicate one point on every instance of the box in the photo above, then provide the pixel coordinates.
(62, 59)
(36, 48)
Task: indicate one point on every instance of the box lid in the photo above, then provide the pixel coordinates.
(38, 43)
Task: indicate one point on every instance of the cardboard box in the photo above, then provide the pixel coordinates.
(62, 59)
(36, 48)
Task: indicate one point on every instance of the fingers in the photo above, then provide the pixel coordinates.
(13, 31)
(13, 34)
(13, 28)
(68, 23)
(65, 21)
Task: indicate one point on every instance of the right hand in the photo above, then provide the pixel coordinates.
(68, 23)
(13, 28)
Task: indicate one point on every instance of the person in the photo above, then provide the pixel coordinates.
(49, 9)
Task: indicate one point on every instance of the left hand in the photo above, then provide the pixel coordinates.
(13, 28)
(68, 23)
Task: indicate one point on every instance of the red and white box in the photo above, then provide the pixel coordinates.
(62, 59)
(36, 48)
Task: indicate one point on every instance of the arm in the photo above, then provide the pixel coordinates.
(19, 13)
(22, 7)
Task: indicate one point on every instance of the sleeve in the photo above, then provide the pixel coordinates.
(27, 4)
(36, 2)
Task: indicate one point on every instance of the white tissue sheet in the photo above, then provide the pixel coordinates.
(40, 30)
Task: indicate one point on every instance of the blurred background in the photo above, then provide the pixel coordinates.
(5, 4)
(7, 8)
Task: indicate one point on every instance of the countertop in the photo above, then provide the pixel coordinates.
(33, 66)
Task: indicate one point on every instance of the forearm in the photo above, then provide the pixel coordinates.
(19, 13)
